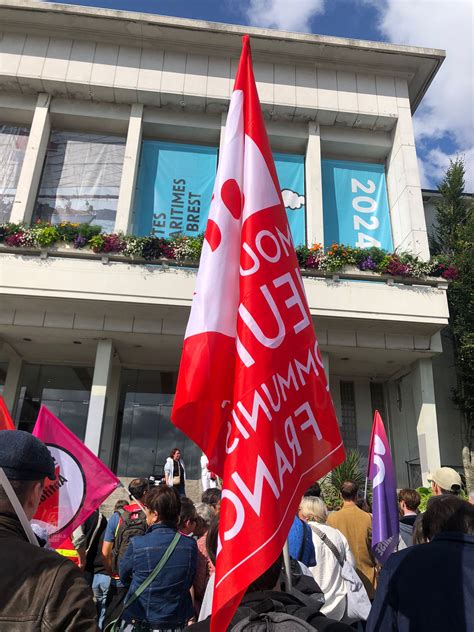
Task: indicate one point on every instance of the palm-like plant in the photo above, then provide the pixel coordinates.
(348, 470)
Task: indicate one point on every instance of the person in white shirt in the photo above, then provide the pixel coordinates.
(208, 478)
(328, 571)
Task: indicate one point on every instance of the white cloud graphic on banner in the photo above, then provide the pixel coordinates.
(292, 199)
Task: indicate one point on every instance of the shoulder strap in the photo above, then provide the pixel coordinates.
(144, 585)
(121, 513)
(329, 544)
(113, 626)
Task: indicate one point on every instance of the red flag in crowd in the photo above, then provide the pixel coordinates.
(251, 391)
(82, 482)
(6, 422)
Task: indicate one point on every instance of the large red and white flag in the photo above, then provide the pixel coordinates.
(251, 391)
(82, 482)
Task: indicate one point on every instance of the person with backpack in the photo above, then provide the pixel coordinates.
(87, 539)
(159, 569)
(266, 604)
(123, 525)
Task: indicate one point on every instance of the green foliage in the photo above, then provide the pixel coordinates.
(46, 235)
(97, 242)
(425, 494)
(350, 469)
(452, 211)
(454, 243)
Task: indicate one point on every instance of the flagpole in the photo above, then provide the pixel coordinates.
(132, 496)
(286, 560)
(20, 512)
(365, 489)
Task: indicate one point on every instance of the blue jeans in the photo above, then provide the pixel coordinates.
(100, 588)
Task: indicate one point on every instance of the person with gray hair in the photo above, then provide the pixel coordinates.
(328, 570)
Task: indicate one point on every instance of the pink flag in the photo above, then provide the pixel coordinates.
(82, 482)
(251, 391)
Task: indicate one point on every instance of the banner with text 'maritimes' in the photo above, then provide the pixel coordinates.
(174, 190)
(175, 184)
(252, 391)
(355, 205)
(82, 482)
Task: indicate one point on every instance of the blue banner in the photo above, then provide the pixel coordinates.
(175, 183)
(290, 172)
(355, 205)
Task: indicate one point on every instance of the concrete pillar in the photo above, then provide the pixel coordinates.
(108, 441)
(32, 167)
(12, 382)
(425, 414)
(100, 381)
(325, 359)
(222, 135)
(314, 187)
(407, 212)
(124, 217)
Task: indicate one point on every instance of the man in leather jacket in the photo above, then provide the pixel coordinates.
(39, 589)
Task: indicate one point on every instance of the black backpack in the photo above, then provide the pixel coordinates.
(131, 523)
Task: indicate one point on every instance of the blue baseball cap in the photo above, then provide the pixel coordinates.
(23, 457)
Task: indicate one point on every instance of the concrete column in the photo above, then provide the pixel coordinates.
(100, 381)
(107, 443)
(222, 136)
(124, 217)
(404, 190)
(12, 382)
(325, 359)
(32, 168)
(425, 414)
(314, 188)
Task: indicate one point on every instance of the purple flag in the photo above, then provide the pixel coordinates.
(385, 527)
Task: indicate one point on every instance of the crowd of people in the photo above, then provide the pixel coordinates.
(150, 566)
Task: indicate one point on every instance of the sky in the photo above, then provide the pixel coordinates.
(444, 123)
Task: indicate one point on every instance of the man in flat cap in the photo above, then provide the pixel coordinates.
(39, 589)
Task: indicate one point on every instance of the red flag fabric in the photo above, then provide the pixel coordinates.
(6, 422)
(82, 482)
(251, 390)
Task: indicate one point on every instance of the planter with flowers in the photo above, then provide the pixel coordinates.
(337, 259)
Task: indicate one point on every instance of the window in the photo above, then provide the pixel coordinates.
(176, 182)
(13, 141)
(348, 415)
(355, 204)
(81, 179)
(64, 390)
(377, 398)
(146, 434)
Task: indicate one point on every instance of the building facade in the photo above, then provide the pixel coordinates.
(114, 119)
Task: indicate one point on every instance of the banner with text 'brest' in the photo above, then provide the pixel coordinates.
(251, 391)
(82, 482)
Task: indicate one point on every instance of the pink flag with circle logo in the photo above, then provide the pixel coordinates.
(82, 482)
(252, 390)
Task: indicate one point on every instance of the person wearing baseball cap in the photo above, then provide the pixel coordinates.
(445, 480)
(39, 589)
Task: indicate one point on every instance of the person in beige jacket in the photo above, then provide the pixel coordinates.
(356, 525)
